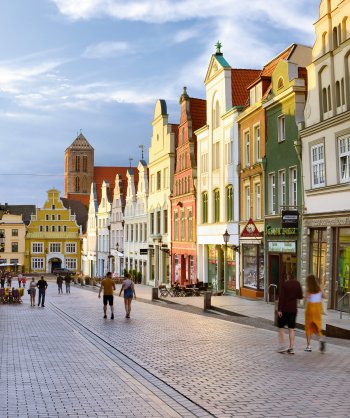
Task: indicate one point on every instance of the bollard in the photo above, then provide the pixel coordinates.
(155, 293)
(207, 300)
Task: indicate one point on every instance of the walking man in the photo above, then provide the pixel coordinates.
(59, 283)
(42, 286)
(108, 286)
(68, 279)
(287, 311)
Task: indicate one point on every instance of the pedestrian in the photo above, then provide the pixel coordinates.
(19, 278)
(287, 311)
(107, 285)
(9, 280)
(24, 281)
(2, 280)
(68, 280)
(59, 283)
(42, 285)
(129, 293)
(313, 312)
(32, 291)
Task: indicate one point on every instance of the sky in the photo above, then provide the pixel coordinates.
(100, 65)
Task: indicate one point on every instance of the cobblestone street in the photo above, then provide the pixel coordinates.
(66, 360)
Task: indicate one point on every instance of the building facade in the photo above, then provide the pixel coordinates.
(12, 242)
(183, 198)
(161, 173)
(53, 238)
(325, 143)
(117, 228)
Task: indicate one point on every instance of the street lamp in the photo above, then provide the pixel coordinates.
(226, 237)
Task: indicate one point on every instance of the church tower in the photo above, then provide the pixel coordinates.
(78, 169)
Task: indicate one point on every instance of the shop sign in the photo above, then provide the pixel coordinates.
(281, 231)
(282, 246)
(143, 251)
(290, 218)
(250, 230)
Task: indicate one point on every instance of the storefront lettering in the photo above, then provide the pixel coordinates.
(281, 231)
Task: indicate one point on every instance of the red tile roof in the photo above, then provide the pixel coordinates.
(270, 66)
(198, 109)
(240, 80)
(109, 173)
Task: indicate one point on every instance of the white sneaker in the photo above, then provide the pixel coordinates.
(282, 350)
(308, 348)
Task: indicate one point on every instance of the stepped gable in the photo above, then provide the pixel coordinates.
(241, 79)
(198, 110)
(78, 209)
(108, 174)
(80, 143)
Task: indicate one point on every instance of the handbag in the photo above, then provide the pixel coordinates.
(29, 291)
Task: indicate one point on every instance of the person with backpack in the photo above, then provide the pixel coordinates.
(129, 293)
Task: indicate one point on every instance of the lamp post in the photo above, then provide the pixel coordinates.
(226, 237)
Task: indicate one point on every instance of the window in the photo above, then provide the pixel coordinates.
(53, 217)
(152, 223)
(14, 247)
(190, 225)
(14, 261)
(47, 217)
(55, 247)
(216, 115)
(205, 207)
(257, 143)
(159, 184)
(53, 229)
(152, 183)
(324, 100)
(281, 128)
(228, 152)
(176, 226)
(335, 37)
(272, 194)
(282, 187)
(47, 228)
(280, 83)
(324, 42)
(41, 228)
(342, 88)
(293, 187)
(216, 155)
(344, 158)
(229, 203)
(217, 205)
(258, 92)
(337, 93)
(37, 247)
(204, 163)
(166, 178)
(165, 219)
(247, 202)
(258, 201)
(64, 229)
(252, 96)
(71, 247)
(53, 207)
(329, 98)
(77, 185)
(77, 163)
(71, 263)
(317, 164)
(182, 225)
(247, 148)
(85, 163)
(59, 228)
(37, 263)
(59, 217)
(15, 232)
(158, 221)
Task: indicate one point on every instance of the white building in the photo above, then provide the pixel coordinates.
(89, 253)
(117, 228)
(103, 236)
(325, 142)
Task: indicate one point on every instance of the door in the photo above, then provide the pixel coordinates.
(56, 263)
(274, 276)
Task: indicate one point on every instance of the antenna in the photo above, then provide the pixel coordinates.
(130, 159)
(142, 147)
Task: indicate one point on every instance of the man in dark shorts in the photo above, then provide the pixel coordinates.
(287, 312)
(108, 286)
(42, 285)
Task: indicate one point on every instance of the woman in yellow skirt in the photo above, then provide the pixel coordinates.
(313, 312)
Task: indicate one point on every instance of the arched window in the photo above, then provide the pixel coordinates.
(204, 207)
(329, 98)
(344, 31)
(337, 93)
(84, 185)
(77, 184)
(342, 92)
(189, 184)
(185, 184)
(324, 42)
(77, 163)
(280, 83)
(335, 38)
(216, 114)
(229, 203)
(85, 163)
(216, 205)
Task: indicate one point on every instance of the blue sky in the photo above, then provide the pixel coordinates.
(100, 65)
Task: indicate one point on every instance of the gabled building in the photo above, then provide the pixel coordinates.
(217, 186)
(103, 231)
(90, 249)
(284, 110)
(12, 242)
(161, 173)
(183, 197)
(135, 227)
(325, 143)
(117, 227)
(53, 238)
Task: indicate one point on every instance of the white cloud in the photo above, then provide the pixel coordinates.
(105, 49)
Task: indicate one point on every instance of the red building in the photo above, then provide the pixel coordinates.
(183, 198)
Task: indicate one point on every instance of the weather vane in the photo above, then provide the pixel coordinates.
(218, 47)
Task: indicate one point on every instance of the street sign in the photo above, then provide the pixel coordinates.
(290, 218)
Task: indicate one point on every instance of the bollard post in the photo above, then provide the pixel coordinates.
(207, 300)
(155, 293)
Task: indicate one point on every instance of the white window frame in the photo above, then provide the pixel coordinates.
(52, 246)
(247, 148)
(37, 263)
(344, 158)
(39, 249)
(71, 263)
(247, 202)
(258, 200)
(318, 178)
(257, 142)
(71, 247)
(216, 155)
(293, 187)
(272, 193)
(228, 151)
(282, 188)
(281, 128)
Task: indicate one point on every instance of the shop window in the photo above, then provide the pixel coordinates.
(318, 252)
(253, 266)
(343, 278)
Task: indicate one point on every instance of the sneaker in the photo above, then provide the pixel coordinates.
(308, 349)
(290, 351)
(282, 350)
(105, 317)
(322, 346)
(112, 316)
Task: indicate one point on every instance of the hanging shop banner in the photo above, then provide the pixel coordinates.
(282, 246)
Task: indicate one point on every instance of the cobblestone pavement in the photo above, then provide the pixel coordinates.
(65, 360)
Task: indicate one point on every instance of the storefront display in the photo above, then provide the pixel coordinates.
(253, 267)
(231, 269)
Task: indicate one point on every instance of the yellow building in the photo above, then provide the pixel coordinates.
(12, 242)
(53, 238)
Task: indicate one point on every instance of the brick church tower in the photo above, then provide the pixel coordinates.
(78, 170)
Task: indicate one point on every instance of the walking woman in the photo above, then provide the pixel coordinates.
(129, 293)
(313, 312)
(32, 290)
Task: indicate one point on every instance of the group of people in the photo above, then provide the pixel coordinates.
(108, 286)
(60, 280)
(6, 277)
(290, 292)
(41, 285)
